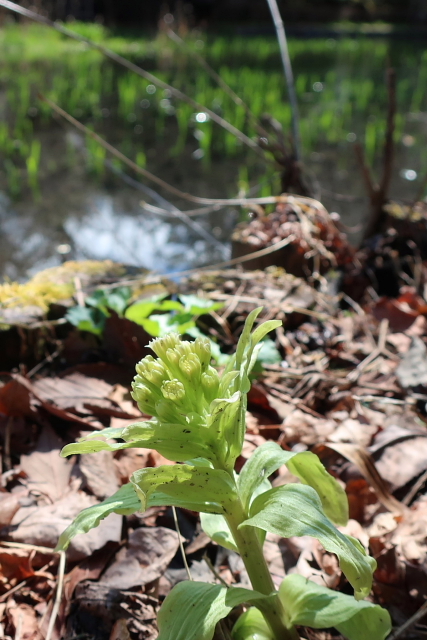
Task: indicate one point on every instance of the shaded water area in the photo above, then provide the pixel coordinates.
(60, 197)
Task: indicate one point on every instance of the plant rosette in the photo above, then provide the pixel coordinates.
(199, 423)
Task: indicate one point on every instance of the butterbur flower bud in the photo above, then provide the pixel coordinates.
(202, 349)
(161, 345)
(210, 384)
(152, 370)
(184, 348)
(190, 367)
(172, 356)
(143, 365)
(173, 390)
(143, 396)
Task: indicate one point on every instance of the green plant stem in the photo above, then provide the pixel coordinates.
(250, 549)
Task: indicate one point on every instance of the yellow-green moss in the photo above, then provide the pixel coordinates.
(56, 283)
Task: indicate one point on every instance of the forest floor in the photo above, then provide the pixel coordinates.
(346, 377)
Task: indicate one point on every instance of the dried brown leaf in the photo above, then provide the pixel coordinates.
(42, 526)
(23, 620)
(147, 556)
(47, 472)
(99, 472)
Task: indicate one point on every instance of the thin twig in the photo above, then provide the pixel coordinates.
(138, 70)
(220, 82)
(284, 198)
(60, 583)
(283, 44)
(79, 292)
(417, 486)
(388, 150)
(58, 596)
(378, 193)
(219, 265)
(181, 546)
(173, 211)
(214, 571)
(422, 611)
(7, 455)
(46, 360)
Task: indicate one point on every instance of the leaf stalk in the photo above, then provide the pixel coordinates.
(250, 549)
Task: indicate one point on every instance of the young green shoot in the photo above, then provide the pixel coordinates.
(199, 423)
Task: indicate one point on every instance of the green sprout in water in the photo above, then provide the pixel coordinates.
(199, 423)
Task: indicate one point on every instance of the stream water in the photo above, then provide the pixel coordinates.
(60, 198)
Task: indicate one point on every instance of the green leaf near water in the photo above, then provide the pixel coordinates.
(269, 353)
(199, 306)
(91, 320)
(183, 485)
(192, 610)
(181, 321)
(125, 502)
(115, 299)
(143, 309)
(296, 510)
(306, 466)
(310, 604)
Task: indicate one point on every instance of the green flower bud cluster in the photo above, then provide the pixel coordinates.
(180, 385)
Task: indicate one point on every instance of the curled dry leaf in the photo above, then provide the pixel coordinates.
(42, 526)
(47, 473)
(120, 631)
(100, 473)
(74, 392)
(23, 621)
(9, 505)
(366, 465)
(15, 565)
(146, 557)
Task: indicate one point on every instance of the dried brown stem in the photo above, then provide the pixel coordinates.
(378, 193)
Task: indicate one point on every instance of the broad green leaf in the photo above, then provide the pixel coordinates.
(192, 609)
(93, 446)
(216, 527)
(140, 311)
(296, 510)
(182, 485)
(173, 441)
(199, 306)
(176, 442)
(116, 299)
(109, 432)
(242, 362)
(316, 606)
(124, 501)
(269, 354)
(244, 340)
(251, 626)
(171, 305)
(86, 319)
(264, 461)
(225, 425)
(264, 328)
(306, 466)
